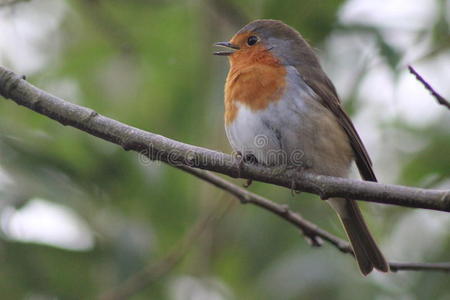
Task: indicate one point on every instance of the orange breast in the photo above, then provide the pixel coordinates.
(255, 79)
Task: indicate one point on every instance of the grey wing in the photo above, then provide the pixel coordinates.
(327, 95)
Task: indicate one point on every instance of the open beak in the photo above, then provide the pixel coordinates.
(226, 45)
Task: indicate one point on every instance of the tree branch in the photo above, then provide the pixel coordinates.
(176, 153)
(441, 100)
(184, 156)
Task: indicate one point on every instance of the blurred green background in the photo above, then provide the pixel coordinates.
(79, 216)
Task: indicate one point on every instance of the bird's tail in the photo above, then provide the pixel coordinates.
(366, 251)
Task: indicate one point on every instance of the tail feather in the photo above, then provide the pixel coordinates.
(366, 251)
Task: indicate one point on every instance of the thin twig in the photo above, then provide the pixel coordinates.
(397, 266)
(160, 148)
(311, 231)
(441, 100)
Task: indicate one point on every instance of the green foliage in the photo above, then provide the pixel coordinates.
(149, 64)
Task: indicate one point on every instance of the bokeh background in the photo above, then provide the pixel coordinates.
(80, 216)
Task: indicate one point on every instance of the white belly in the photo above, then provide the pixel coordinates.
(251, 134)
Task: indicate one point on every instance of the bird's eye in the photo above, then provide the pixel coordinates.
(252, 40)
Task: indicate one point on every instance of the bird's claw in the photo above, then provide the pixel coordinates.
(241, 160)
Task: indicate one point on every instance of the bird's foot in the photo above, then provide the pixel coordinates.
(293, 171)
(242, 160)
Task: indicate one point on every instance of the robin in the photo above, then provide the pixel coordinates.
(282, 109)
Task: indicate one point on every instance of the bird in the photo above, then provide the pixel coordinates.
(282, 109)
